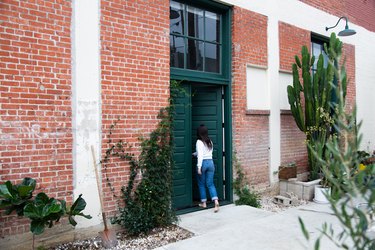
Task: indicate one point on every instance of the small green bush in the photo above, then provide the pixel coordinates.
(241, 189)
(248, 197)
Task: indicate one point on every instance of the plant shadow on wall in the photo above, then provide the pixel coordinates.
(310, 103)
(353, 182)
(43, 211)
(148, 200)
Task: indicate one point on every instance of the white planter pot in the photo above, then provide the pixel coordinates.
(319, 194)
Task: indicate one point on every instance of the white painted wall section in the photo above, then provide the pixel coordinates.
(257, 92)
(86, 103)
(275, 90)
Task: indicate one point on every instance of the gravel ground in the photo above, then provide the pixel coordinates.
(162, 236)
(158, 237)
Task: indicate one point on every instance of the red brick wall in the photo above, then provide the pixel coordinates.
(135, 74)
(359, 12)
(291, 40)
(292, 144)
(250, 131)
(349, 60)
(35, 99)
(293, 147)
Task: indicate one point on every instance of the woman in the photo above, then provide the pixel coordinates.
(205, 167)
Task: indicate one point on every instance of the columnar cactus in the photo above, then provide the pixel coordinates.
(312, 102)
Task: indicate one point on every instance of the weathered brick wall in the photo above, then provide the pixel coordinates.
(361, 13)
(35, 99)
(291, 39)
(250, 131)
(135, 75)
(349, 60)
(292, 144)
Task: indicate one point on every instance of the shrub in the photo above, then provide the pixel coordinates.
(246, 196)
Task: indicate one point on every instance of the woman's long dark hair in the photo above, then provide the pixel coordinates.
(202, 134)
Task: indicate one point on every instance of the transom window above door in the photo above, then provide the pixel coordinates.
(195, 38)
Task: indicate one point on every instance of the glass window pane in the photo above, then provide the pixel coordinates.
(212, 27)
(195, 55)
(176, 18)
(316, 51)
(195, 22)
(212, 58)
(325, 56)
(177, 46)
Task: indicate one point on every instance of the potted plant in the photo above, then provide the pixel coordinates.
(287, 171)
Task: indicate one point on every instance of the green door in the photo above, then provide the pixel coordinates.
(207, 110)
(199, 104)
(182, 178)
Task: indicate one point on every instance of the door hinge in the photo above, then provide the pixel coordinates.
(224, 153)
(222, 125)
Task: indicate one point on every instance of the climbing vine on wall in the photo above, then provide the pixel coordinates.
(147, 204)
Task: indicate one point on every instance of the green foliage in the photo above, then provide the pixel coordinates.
(76, 210)
(149, 204)
(354, 204)
(16, 197)
(42, 210)
(245, 195)
(314, 116)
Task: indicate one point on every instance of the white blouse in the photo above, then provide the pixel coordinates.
(203, 152)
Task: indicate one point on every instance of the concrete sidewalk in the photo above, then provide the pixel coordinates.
(244, 227)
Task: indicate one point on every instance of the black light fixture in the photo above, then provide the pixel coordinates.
(346, 31)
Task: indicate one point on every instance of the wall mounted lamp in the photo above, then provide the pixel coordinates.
(346, 31)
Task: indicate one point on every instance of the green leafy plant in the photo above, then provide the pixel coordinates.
(16, 197)
(246, 196)
(355, 186)
(42, 210)
(148, 204)
(310, 101)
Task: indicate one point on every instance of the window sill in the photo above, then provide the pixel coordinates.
(285, 112)
(257, 112)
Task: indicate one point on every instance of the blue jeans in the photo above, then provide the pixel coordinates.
(207, 179)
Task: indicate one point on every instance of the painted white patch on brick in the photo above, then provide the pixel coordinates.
(257, 92)
(86, 104)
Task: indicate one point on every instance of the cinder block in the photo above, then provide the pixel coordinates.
(283, 187)
(282, 200)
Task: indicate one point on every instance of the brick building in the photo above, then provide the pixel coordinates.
(69, 69)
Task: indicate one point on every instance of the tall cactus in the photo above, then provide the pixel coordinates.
(313, 111)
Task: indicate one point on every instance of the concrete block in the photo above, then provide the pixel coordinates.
(282, 200)
(283, 187)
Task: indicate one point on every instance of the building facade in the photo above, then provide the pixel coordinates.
(70, 69)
